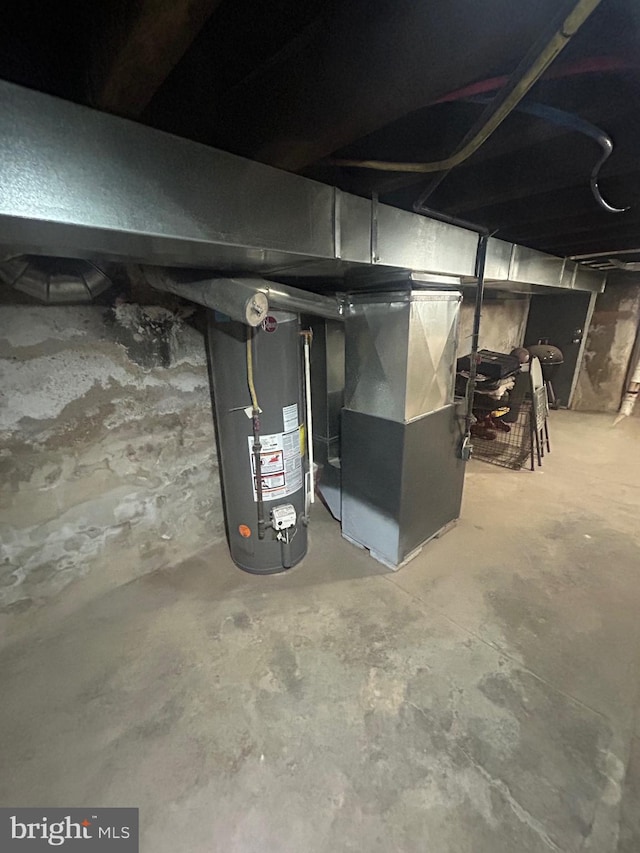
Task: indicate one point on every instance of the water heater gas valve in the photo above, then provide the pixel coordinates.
(283, 517)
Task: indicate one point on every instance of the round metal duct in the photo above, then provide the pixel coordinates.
(54, 280)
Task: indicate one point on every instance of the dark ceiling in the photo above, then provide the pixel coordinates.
(299, 84)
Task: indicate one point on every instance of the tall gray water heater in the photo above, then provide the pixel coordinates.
(262, 462)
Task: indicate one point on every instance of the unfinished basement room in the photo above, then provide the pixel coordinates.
(319, 438)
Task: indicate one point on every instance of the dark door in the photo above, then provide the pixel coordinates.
(561, 320)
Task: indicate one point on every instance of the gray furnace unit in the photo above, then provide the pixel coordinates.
(402, 475)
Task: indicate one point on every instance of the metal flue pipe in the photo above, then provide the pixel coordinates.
(303, 302)
(244, 299)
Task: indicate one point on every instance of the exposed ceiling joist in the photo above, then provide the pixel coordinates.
(518, 134)
(617, 238)
(570, 226)
(559, 203)
(377, 63)
(538, 170)
(139, 44)
(291, 83)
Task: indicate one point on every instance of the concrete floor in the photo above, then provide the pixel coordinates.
(483, 699)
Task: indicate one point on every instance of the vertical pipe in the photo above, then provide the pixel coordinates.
(307, 396)
(632, 388)
(255, 422)
(481, 258)
(285, 550)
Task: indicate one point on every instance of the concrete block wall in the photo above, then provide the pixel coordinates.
(108, 463)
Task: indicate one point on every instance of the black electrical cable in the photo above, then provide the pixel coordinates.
(562, 118)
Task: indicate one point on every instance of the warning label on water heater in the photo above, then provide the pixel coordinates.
(280, 464)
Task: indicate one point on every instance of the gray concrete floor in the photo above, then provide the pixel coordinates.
(483, 699)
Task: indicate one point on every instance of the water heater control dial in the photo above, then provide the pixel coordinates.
(283, 517)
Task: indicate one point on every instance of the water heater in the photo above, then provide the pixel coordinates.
(258, 400)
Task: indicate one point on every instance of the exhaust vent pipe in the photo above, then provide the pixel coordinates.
(246, 300)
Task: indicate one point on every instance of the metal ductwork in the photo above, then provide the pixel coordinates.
(243, 300)
(520, 269)
(401, 436)
(54, 281)
(252, 241)
(626, 266)
(82, 183)
(303, 302)
(246, 300)
(77, 182)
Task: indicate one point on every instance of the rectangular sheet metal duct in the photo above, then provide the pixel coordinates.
(400, 354)
(520, 269)
(402, 473)
(77, 182)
